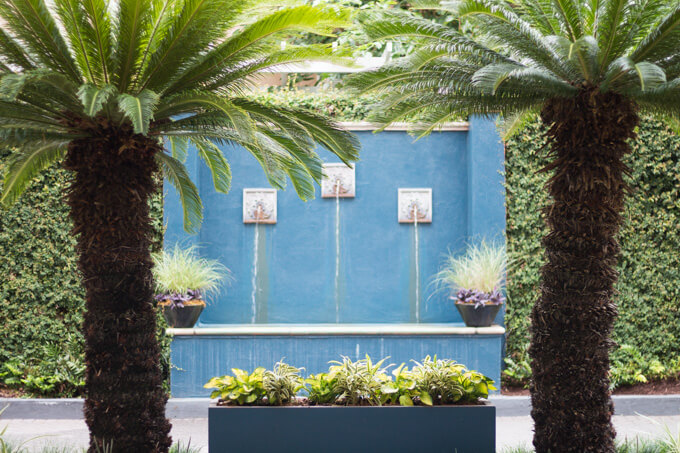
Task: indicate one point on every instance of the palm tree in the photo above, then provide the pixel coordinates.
(102, 87)
(588, 67)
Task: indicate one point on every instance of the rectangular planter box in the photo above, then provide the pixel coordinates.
(374, 429)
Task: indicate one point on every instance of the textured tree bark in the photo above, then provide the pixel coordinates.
(112, 182)
(574, 316)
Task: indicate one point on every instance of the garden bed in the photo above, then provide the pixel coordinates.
(660, 387)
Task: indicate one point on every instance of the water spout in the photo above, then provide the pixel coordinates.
(417, 260)
(253, 295)
(337, 250)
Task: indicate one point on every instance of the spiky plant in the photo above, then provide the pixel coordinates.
(180, 270)
(480, 268)
(588, 67)
(116, 90)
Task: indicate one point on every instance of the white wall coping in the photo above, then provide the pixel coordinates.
(338, 329)
(457, 126)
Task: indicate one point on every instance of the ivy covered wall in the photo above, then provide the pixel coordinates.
(649, 281)
(41, 299)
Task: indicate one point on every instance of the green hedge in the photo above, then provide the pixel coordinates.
(335, 104)
(41, 299)
(649, 282)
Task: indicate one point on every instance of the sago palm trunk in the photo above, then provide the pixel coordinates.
(573, 319)
(112, 182)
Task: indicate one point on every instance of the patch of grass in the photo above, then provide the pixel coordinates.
(669, 443)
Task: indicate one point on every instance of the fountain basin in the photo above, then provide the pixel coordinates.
(200, 353)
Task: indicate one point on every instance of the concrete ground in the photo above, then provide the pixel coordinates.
(510, 431)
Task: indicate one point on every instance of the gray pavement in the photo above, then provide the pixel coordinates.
(510, 431)
(58, 423)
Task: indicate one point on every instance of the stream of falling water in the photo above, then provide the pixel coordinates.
(337, 251)
(253, 295)
(417, 259)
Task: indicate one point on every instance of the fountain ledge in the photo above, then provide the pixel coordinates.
(338, 329)
(402, 126)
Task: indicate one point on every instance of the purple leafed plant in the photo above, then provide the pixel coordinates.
(480, 298)
(177, 300)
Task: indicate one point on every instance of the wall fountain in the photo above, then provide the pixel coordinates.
(415, 206)
(259, 208)
(339, 181)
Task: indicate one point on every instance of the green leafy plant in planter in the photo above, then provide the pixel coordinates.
(476, 281)
(404, 390)
(449, 382)
(363, 382)
(282, 383)
(183, 279)
(322, 388)
(261, 387)
(240, 389)
(359, 383)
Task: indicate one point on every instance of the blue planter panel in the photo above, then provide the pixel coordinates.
(196, 359)
(387, 429)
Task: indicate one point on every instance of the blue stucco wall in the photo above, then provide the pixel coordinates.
(296, 276)
(196, 359)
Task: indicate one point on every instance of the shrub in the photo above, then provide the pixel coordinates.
(629, 366)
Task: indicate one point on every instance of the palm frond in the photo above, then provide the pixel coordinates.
(11, 53)
(251, 43)
(98, 32)
(609, 30)
(25, 164)
(193, 26)
(72, 16)
(31, 22)
(624, 74)
(513, 122)
(192, 207)
(139, 109)
(179, 147)
(133, 25)
(569, 14)
(661, 41)
(94, 98)
(216, 162)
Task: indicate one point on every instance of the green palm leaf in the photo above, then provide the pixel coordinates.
(214, 159)
(32, 22)
(94, 98)
(25, 165)
(174, 70)
(175, 172)
(139, 109)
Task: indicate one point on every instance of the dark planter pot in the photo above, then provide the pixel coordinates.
(482, 316)
(340, 429)
(182, 317)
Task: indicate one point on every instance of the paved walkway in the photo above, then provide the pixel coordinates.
(510, 431)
